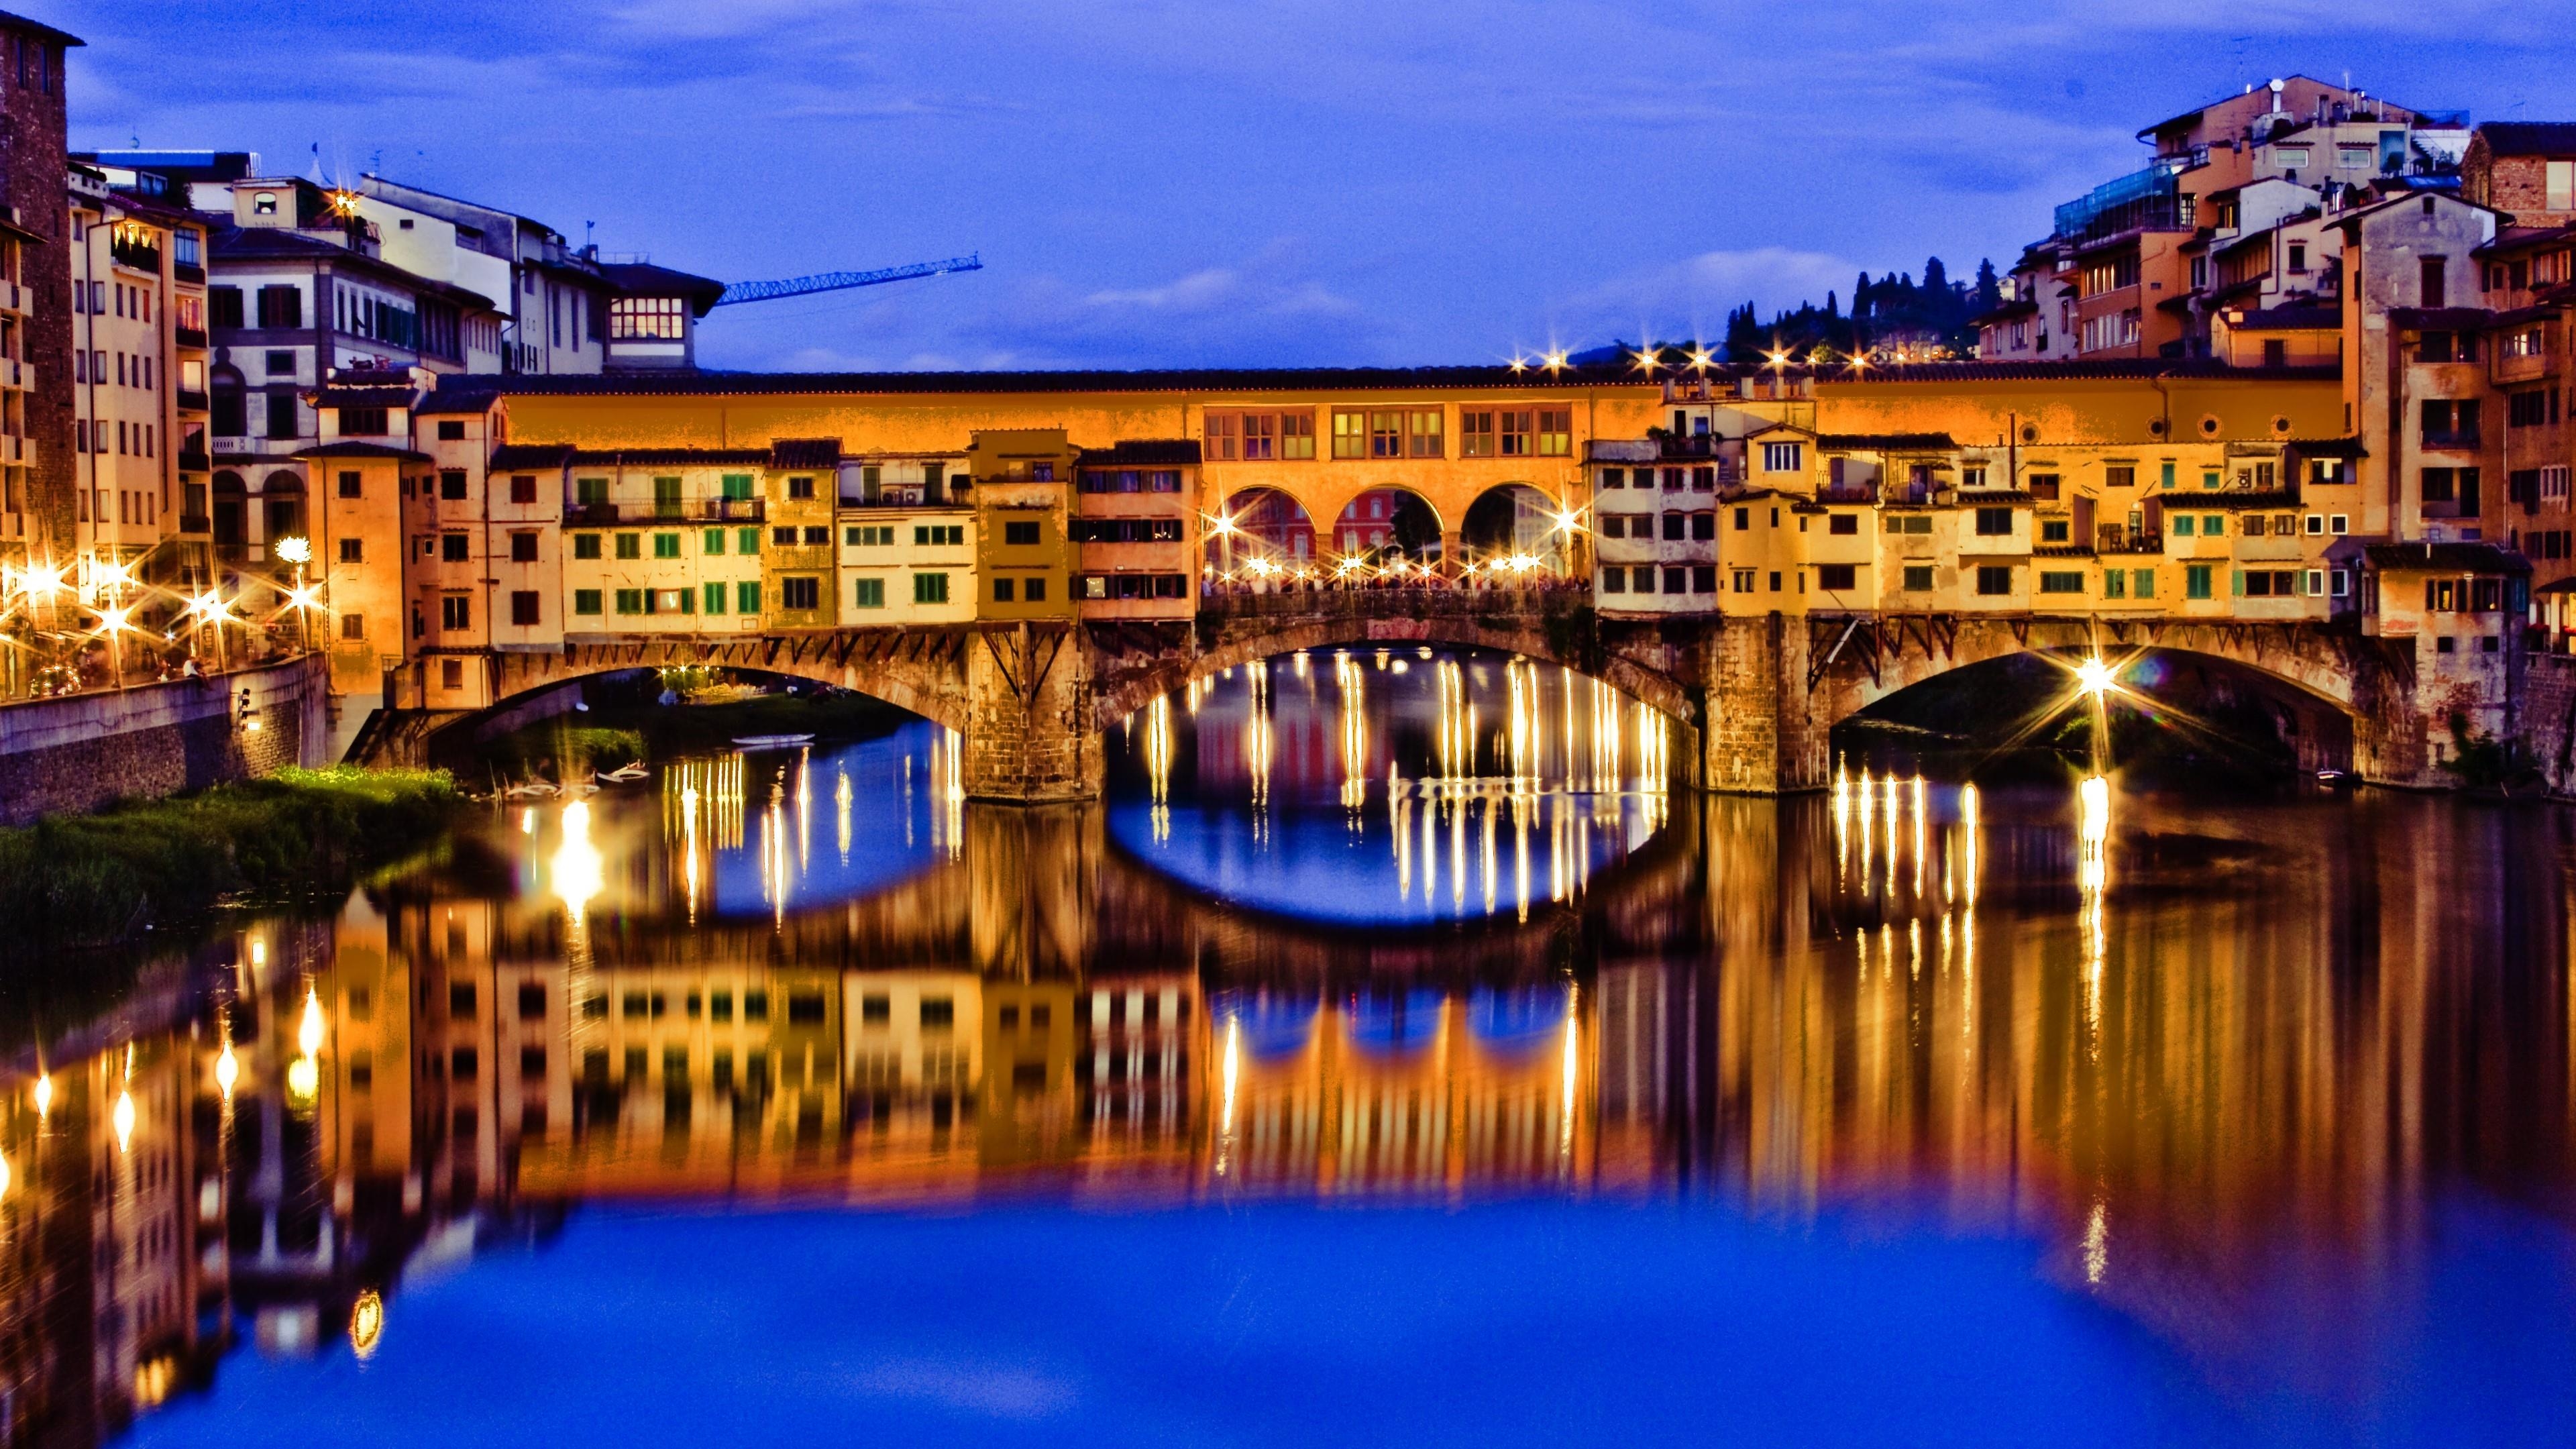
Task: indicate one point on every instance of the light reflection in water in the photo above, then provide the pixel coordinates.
(1274, 799)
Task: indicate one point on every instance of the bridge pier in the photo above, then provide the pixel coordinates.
(1032, 736)
(1765, 730)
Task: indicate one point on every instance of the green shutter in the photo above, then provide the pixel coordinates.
(737, 485)
(715, 598)
(746, 597)
(715, 540)
(871, 594)
(585, 601)
(746, 540)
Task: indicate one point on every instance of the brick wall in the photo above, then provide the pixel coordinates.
(31, 179)
(63, 756)
(2548, 718)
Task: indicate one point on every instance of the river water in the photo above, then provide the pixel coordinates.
(1393, 1057)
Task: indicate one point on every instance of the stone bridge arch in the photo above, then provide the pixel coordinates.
(1851, 663)
(1547, 627)
(921, 670)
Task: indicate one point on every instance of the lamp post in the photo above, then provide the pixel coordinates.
(299, 552)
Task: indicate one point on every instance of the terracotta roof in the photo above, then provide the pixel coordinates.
(805, 453)
(2185, 501)
(2124, 367)
(530, 455)
(261, 243)
(2327, 447)
(672, 457)
(2483, 558)
(2290, 318)
(2019, 307)
(1886, 442)
(643, 279)
(363, 397)
(1219, 380)
(353, 448)
(2529, 138)
(1144, 452)
(2450, 319)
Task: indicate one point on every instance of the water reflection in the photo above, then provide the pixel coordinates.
(2223, 1066)
(1393, 784)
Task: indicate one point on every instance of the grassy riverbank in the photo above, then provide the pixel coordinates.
(87, 880)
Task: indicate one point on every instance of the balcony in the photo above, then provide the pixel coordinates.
(15, 298)
(1847, 493)
(195, 523)
(194, 460)
(191, 402)
(138, 255)
(189, 336)
(2451, 440)
(1700, 445)
(591, 515)
(725, 510)
(188, 272)
(13, 373)
(2111, 538)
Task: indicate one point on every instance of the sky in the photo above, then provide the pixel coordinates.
(1269, 182)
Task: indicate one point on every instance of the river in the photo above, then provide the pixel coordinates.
(1396, 1055)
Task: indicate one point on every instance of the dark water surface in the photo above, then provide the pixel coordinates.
(1392, 1059)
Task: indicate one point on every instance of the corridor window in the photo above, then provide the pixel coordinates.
(1556, 432)
(585, 545)
(1994, 522)
(1515, 431)
(800, 592)
(630, 545)
(1837, 578)
(930, 588)
(1918, 578)
(1350, 435)
(869, 594)
(1783, 457)
(1020, 533)
(585, 601)
(2196, 580)
(1994, 579)
(1476, 438)
(2057, 581)
(666, 545)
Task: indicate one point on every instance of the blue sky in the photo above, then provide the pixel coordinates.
(1275, 182)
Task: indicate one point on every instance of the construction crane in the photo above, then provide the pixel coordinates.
(836, 281)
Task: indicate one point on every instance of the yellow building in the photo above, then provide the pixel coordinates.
(1023, 487)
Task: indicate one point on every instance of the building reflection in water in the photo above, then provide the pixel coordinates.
(2179, 1047)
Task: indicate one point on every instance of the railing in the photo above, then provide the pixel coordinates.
(1847, 493)
(195, 522)
(591, 515)
(2124, 202)
(2451, 438)
(732, 510)
(2115, 539)
(189, 336)
(191, 402)
(194, 461)
(188, 272)
(136, 255)
(1697, 445)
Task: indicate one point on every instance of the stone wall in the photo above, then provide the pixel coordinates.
(2548, 718)
(63, 756)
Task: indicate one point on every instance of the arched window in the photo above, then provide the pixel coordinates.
(231, 419)
(282, 496)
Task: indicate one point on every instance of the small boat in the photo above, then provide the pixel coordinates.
(532, 790)
(2334, 778)
(771, 742)
(624, 774)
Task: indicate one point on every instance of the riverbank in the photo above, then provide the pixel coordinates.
(70, 882)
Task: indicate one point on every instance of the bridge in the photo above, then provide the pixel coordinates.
(1753, 698)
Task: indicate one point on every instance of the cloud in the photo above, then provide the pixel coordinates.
(993, 1390)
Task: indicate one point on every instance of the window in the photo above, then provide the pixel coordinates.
(1783, 457)
(2553, 484)
(798, 488)
(364, 422)
(1004, 591)
(1994, 579)
(1516, 434)
(352, 485)
(2055, 530)
(870, 594)
(523, 607)
(353, 550)
(2111, 329)
(930, 588)
(2115, 583)
(586, 601)
(746, 541)
(1641, 580)
(1842, 523)
(1703, 578)
(585, 545)
(801, 591)
(2142, 583)
(451, 484)
(2195, 581)
(2429, 280)
(1422, 433)
(456, 611)
(2267, 583)
(746, 597)
(818, 535)
(1837, 578)
(713, 542)
(523, 487)
(1917, 578)
(1034, 591)
(714, 600)
(647, 319)
(940, 534)
(666, 545)
(1476, 438)
(454, 548)
(281, 307)
(1614, 581)
(1703, 526)
(1994, 522)
(2182, 525)
(1677, 580)
(1556, 432)
(1744, 581)
(523, 547)
(1020, 533)
(224, 306)
(2061, 581)
(2120, 475)
(1350, 435)
(2521, 409)
(783, 537)
(2558, 186)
